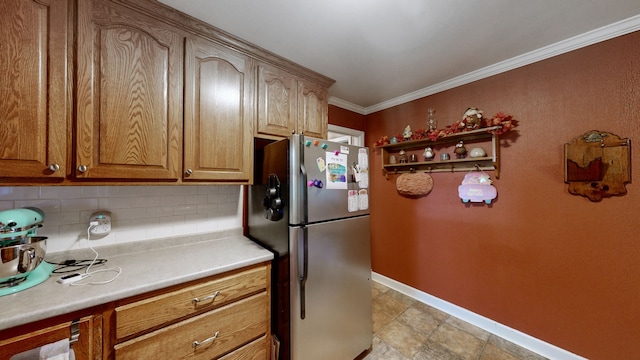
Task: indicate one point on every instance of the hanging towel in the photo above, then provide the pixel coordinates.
(58, 350)
(33, 354)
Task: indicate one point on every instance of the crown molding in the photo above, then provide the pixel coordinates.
(347, 105)
(604, 33)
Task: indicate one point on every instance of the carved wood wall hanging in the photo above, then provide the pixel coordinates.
(597, 165)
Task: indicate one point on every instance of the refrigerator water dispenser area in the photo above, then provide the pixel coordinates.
(272, 202)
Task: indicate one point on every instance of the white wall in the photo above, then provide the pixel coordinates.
(138, 212)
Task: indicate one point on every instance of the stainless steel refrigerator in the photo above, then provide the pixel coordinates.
(310, 206)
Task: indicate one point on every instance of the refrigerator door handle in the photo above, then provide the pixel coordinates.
(303, 257)
(303, 194)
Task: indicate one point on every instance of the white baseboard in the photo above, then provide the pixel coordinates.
(519, 338)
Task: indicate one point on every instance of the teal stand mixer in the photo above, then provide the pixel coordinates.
(22, 252)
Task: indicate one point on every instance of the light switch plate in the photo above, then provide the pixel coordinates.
(103, 218)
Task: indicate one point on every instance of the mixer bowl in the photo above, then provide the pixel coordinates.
(20, 255)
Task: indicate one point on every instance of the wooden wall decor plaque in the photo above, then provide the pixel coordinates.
(597, 165)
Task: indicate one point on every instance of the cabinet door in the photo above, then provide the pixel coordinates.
(88, 345)
(33, 92)
(277, 102)
(129, 95)
(218, 113)
(312, 109)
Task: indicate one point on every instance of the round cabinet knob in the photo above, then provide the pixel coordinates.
(188, 172)
(82, 168)
(54, 167)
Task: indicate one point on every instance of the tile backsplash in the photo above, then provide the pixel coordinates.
(138, 212)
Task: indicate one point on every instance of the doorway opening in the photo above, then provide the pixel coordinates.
(345, 135)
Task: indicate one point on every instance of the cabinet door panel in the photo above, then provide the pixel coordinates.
(129, 95)
(33, 94)
(88, 346)
(277, 102)
(129, 56)
(312, 110)
(218, 113)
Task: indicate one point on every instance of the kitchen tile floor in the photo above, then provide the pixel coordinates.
(406, 329)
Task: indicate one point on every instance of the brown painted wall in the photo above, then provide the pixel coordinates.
(341, 117)
(552, 265)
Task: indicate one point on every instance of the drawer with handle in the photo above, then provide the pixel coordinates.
(205, 336)
(163, 309)
(255, 350)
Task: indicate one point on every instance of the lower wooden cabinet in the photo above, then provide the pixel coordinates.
(205, 336)
(85, 337)
(226, 316)
(255, 350)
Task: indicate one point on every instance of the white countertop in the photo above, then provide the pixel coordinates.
(146, 266)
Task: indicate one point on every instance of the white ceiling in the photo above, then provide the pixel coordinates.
(385, 52)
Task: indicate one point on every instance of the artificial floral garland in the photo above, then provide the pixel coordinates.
(471, 120)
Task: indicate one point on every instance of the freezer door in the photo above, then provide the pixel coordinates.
(329, 180)
(268, 199)
(331, 290)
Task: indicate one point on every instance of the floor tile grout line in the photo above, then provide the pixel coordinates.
(446, 319)
(484, 346)
(438, 327)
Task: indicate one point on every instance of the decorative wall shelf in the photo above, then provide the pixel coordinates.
(471, 139)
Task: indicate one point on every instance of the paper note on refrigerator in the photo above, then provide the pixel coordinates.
(363, 199)
(352, 200)
(336, 165)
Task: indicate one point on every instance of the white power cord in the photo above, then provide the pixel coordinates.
(87, 273)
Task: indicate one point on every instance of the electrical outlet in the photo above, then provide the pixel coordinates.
(103, 218)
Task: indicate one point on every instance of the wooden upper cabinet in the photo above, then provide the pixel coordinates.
(34, 97)
(94, 91)
(277, 102)
(129, 95)
(313, 109)
(288, 104)
(218, 113)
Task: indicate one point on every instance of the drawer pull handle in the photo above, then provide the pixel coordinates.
(195, 301)
(211, 339)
